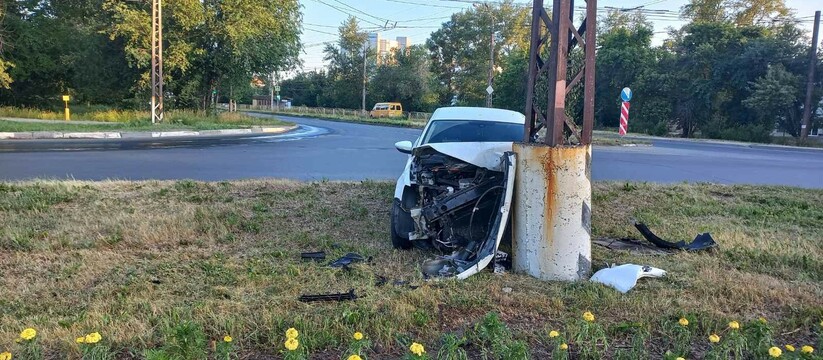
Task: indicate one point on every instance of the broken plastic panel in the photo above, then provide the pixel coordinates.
(624, 277)
(700, 242)
(329, 297)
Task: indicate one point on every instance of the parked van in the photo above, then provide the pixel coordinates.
(386, 109)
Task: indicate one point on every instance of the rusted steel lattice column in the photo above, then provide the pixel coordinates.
(552, 212)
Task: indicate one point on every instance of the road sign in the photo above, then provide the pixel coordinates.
(624, 117)
(490, 90)
(277, 88)
(626, 94)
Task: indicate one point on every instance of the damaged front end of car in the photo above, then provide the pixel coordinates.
(463, 198)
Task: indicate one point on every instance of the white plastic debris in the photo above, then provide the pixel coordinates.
(624, 277)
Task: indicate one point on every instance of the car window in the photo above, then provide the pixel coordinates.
(393, 107)
(441, 131)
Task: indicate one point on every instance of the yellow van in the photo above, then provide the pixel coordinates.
(386, 109)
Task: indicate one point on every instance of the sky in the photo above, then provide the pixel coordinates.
(419, 18)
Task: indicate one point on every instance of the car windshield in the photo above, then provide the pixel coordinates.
(441, 131)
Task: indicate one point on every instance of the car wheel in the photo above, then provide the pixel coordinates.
(398, 241)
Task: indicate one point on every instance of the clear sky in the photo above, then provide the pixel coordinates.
(418, 18)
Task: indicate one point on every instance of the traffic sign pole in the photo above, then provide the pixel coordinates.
(624, 118)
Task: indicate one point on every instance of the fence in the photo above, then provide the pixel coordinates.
(413, 117)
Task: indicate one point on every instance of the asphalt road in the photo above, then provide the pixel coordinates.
(346, 151)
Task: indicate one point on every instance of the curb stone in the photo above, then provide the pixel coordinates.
(28, 135)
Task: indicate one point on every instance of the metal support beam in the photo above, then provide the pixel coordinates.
(156, 61)
(807, 108)
(564, 37)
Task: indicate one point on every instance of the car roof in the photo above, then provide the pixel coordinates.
(478, 113)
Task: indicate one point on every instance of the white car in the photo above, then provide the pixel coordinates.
(455, 192)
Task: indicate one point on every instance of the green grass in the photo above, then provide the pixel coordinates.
(119, 120)
(169, 266)
(397, 121)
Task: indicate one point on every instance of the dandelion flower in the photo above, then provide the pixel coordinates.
(564, 346)
(93, 338)
(762, 320)
(5, 356)
(790, 348)
(553, 334)
(291, 344)
(806, 349)
(588, 316)
(683, 322)
(227, 339)
(680, 358)
(775, 352)
(417, 349)
(358, 336)
(80, 340)
(292, 333)
(28, 334)
(354, 357)
(734, 325)
(713, 338)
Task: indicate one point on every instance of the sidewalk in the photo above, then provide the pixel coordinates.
(126, 134)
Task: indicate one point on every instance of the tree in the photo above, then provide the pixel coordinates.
(777, 98)
(346, 64)
(741, 12)
(5, 79)
(404, 78)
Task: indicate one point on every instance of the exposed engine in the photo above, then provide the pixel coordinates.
(458, 210)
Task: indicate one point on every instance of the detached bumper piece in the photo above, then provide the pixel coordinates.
(316, 256)
(347, 260)
(701, 242)
(329, 297)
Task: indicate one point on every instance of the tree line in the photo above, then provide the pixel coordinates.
(99, 51)
(736, 70)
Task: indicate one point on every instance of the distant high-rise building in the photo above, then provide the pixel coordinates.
(384, 48)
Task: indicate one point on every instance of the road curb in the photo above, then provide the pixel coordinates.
(42, 135)
(722, 142)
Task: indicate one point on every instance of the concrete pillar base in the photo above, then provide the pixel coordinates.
(552, 212)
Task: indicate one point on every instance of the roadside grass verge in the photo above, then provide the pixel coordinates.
(127, 120)
(394, 121)
(151, 265)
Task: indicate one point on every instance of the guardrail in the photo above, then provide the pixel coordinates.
(410, 116)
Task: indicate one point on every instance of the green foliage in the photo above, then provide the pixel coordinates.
(183, 340)
(497, 341)
(451, 347)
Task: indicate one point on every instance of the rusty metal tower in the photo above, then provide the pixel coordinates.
(562, 36)
(156, 62)
(552, 210)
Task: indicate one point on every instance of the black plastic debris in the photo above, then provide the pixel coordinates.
(631, 245)
(701, 242)
(316, 255)
(329, 297)
(381, 280)
(347, 260)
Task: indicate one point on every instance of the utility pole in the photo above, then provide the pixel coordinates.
(271, 98)
(491, 60)
(365, 57)
(807, 108)
(553, 192)
(156, 61)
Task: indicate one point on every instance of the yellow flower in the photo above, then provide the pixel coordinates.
(227, 338)
(417, 349)
(714, 338)
(28, 334)
(564, 346)
(354, 357)
(734, 325)
(292, 344)
(762, 320)
(683, 322)
(93, 338)
(588, 316)
(554, 334)
(775, 352)
(790, 348)
(358, 336)
(5, 356)
(80, 340)
(806, 349)
(680, 358)
(292, 333)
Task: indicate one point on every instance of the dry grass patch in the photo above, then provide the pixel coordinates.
(130, 259)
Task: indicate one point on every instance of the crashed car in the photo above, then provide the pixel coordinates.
(455, 193)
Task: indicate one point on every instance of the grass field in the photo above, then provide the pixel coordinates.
(175, 265)
(120, 120)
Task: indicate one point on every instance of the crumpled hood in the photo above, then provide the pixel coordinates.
(487, 155)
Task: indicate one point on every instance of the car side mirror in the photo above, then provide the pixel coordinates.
(404, 146)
